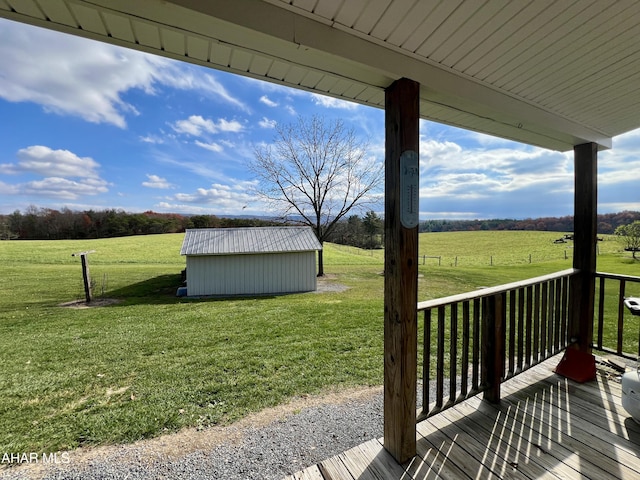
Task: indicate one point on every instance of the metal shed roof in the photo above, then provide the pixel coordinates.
(544, 72)
(252, 240)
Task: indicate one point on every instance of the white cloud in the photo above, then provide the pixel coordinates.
(450, 215)
(44, 161)
(184, 77)
(267, 123)
(154, 139)
(200, 169)
(517, 182)
(57, 187)
(268, 102)
(228, 144)
(8, 189)
(223, 198)
(197, 126)
(331, 102)
(630, 172)
(69, 75)
(621, 164)
(618, 207)
(154, 181)
(533, 164)
(230, 126)
(55, 166)
(181, 208)
(213, 147)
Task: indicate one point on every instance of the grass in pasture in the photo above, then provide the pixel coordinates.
(155, 363)
(504, 248)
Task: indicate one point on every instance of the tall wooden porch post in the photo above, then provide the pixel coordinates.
(401, 268)
(578, 363)
(585, 230)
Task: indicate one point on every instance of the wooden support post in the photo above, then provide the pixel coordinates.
(578, 363)
(582, 291)
(401, 268)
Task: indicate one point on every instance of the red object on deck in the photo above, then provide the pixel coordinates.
(577, 365)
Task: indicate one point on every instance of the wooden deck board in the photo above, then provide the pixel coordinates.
(545, 427)
(430, 463)
(517, 452)
(311, 473)
(473, 452)
(558, 451)
(614, 423)
(596, 448)
(457, 452)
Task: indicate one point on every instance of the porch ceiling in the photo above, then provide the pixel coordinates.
(543, 72)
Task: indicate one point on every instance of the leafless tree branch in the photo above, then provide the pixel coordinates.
(317, 171)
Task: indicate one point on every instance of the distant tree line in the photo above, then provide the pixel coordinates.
(49, 224)
(607, 224)
(364, 232)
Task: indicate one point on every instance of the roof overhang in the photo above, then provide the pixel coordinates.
(552, 74)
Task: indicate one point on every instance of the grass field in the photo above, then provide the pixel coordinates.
(154, 363)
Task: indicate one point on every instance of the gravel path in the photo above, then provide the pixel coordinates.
(265, 446)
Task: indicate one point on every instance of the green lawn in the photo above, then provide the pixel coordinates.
(155, 363)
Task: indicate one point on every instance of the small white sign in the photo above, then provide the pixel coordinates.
(409, 189)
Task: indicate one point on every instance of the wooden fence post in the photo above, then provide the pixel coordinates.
(86, 278)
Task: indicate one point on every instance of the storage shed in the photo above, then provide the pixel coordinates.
(250, 261)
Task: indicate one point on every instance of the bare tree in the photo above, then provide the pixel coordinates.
(316, 172)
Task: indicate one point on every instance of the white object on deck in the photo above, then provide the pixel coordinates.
(633, 304)
(631, 394)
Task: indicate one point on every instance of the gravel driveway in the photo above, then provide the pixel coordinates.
(268, 445)
(265, 446)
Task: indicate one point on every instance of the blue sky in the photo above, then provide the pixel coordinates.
(87, 125)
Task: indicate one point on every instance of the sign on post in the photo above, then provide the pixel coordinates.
(409, 189)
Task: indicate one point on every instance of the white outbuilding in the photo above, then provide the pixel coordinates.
(250, 261)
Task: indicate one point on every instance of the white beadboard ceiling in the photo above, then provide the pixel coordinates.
(553, 73)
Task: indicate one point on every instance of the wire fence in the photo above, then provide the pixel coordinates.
(503, 258)
(490, 260)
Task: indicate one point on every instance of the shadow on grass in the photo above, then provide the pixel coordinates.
(162, 290)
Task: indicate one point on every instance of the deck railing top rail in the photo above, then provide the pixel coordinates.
(617, 276)
(489, 291)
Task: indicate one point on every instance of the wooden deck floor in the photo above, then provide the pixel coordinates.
(545, 427)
